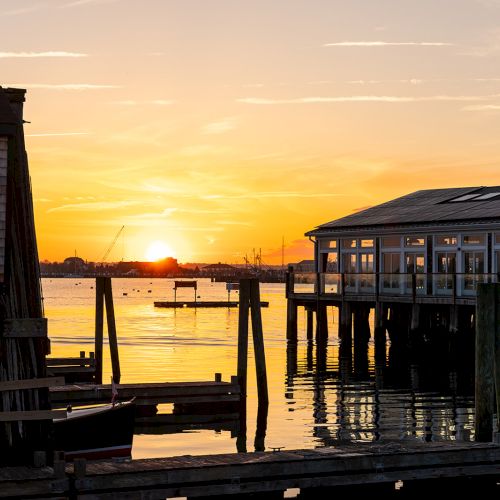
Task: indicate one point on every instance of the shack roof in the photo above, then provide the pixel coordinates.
(426, 207)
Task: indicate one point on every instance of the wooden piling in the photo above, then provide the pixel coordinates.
(345, 334)
(361, 337)
(497, 361)
(291, 319)
(113, 341)
(243, 337)
(380, 342)
(99, 326)
(487, 303)
(321, 321)
(309, 322)
(258, 342)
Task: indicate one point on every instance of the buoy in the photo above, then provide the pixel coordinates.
(125, 293)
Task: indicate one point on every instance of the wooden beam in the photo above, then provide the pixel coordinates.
(70, 361)
(31, 383)
(16, 416)
(25, 327)
(99, 327)
(113, 341)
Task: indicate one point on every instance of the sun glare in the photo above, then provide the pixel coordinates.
(158, 250)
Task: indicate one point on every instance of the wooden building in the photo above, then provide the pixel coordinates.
(415, 260)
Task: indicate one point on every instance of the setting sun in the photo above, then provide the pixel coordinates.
(158, 250)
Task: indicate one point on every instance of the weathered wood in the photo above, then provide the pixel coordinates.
(291, 320)
(321, 321)
(497, 360)
(258, 342)
(32, 383)
(99, 327)
(207, 304)
(25, 328)
(487, 299)
(113, 341)
(244, 307)
(15, 416)
(309, 322)
(70, 361)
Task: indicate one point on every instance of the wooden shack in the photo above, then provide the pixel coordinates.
(416, 261)
(25, 417)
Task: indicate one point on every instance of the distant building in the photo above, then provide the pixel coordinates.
(217, 270)
(304, 266)
(74, 264)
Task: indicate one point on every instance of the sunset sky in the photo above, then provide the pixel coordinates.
(213, 127)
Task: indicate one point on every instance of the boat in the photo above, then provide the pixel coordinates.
(96, 432)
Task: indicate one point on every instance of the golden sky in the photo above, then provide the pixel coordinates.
(219, 126)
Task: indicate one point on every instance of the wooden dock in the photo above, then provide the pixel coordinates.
(206, 303)
(354, 465)
(149, 394)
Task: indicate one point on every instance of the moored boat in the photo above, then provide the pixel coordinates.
(97, 432)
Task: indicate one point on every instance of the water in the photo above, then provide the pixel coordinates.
(309, 405)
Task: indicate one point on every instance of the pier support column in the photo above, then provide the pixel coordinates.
(361, 337)
(345, 335)
(380, 343)
(291, 319)
(415, 344)
(309, 322)
(321, 321)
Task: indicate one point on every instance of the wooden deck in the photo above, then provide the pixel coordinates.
(149, 394)
(194, 304)
(348, 465)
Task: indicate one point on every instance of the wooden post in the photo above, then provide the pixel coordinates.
(99, 323)
(291, 319)
(321, 321)
(486, 306)
(309, 322)
(361, 338)
(244, 302)
(345, 334)
(497, 359)
(113, 342)
(258, 342)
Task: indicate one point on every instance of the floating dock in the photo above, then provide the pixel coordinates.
(211, 303)
(352, 467)
(150, 394)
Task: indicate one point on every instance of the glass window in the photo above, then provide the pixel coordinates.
(327, 244)
(446, 240)
(414, 241)
(366, 243)
(391, 262)
(391, 241)
(349, 243)
(497, 239)
(473, 239)
(332, 263)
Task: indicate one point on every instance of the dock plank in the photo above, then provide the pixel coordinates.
(183, 303)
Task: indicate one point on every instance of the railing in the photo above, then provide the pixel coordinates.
(402, 284)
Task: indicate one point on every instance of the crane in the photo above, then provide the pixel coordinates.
(112, 244)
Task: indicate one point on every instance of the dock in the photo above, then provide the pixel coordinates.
(150, 394)
(409, 464)
(206, 303)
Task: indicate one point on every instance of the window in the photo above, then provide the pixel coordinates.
(327, 244)
(366, 243)
(349, 243)
(473, 239)
(414, 241)
(391, 241)
(446, 240)
(497, 239)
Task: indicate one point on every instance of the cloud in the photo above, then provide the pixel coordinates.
(58, 134)
(23, 10)
(482, 107)
(364, 98)
(154, 102)
(93, 206)
(62, 86)
(233, 223)
(269, 194)
(78, 3)
(386, 44)
(220, 127)
(52, 53)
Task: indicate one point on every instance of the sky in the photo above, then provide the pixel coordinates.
(210, 128)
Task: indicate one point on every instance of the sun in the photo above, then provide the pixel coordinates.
(158, 250)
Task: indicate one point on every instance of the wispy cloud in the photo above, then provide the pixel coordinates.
(220, 127)
(234, 223)
(78, 3)
(364, 98)
(23, 10)
(51, 53)
(57, 134)
(482, 107)
(93, 206)
(379, 43)
(154, 102)
(269, 194)
(62, 86)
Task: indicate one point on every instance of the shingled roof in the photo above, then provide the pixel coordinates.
(430, 206)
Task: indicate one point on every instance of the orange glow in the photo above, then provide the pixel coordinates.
(158, 250)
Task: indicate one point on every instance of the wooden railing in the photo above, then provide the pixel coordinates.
(456, 285)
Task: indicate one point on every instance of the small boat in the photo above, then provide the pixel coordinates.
(96, 432)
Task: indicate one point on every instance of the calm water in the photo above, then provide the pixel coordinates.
(309, 406)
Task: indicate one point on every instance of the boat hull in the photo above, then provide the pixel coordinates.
(103, 432)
